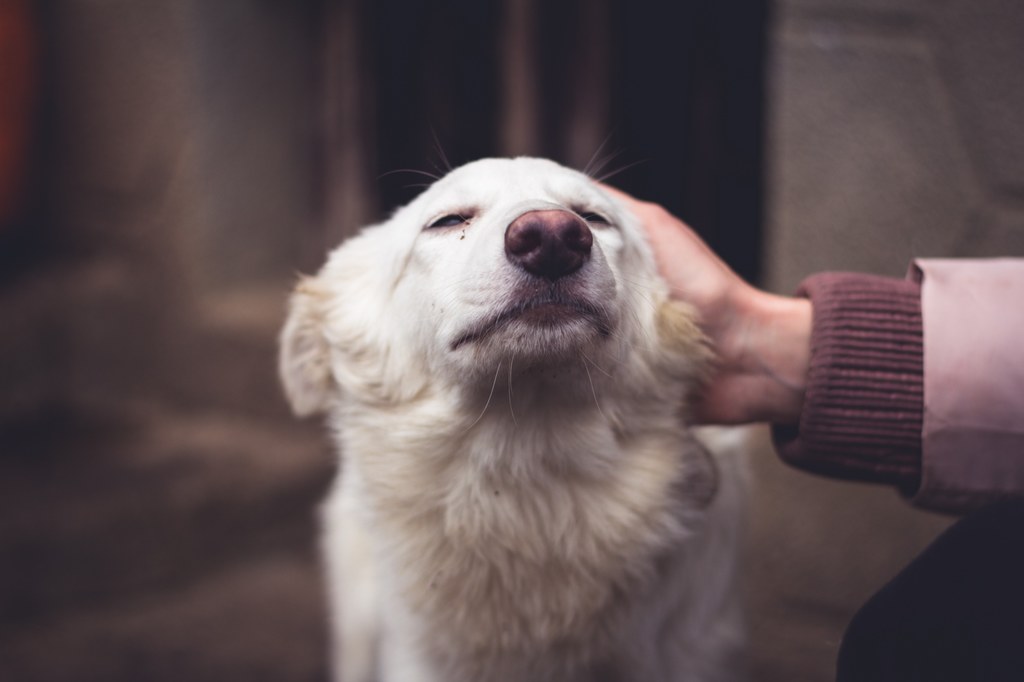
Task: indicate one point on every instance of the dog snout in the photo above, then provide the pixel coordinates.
(549, 243)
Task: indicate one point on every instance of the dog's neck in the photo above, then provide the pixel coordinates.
(550, 487)
(543, 417)
(525, 431)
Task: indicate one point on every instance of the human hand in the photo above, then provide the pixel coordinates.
(762, 341)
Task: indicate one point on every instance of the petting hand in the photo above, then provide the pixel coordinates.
(762, 341)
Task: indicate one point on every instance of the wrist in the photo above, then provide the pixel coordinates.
(774, 353)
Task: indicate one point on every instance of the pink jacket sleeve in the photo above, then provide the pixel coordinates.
(918, 382)
(972, 447)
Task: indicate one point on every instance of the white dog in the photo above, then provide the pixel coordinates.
(520, 498)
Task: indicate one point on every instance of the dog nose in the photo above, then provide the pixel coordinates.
(549, 243)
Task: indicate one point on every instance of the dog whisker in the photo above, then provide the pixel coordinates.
(595, 365)
(593, 391)
(620, 169)
(487, 403)
(440, 152)
(591, 168)
(415, 171)
(603, 162)
(511, 408)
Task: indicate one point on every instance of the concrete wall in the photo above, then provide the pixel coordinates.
(895, 132)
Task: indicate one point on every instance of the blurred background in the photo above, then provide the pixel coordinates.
(168, 166)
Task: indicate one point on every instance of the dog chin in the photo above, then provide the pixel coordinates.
(539, 337)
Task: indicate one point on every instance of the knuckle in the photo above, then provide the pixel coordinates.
(657, 213)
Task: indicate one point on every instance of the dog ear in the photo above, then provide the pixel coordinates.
(304, 361)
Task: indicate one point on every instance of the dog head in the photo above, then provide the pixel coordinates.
(503, 262)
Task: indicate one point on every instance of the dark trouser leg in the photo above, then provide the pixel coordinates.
(955, 613)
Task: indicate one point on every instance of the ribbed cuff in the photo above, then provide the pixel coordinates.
(864, 401)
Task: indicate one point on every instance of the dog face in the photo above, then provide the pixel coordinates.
(504, 262)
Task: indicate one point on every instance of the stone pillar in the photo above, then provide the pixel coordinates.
(94, 321)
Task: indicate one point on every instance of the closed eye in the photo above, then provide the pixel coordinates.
(450, 220)
(593, 218)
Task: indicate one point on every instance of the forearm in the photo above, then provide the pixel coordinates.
(774, 354)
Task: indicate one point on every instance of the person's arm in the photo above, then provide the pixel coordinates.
(836, 369)
(841, 369)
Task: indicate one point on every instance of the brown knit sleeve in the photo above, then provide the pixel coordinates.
(863, 407)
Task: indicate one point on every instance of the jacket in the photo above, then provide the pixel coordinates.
(917, 382)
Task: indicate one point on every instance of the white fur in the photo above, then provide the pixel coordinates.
(525, 505)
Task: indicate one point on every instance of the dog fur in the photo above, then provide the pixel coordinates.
(520, 498)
